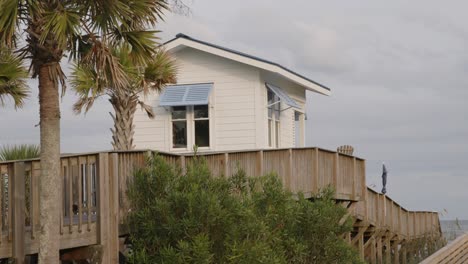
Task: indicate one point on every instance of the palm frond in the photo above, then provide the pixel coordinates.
(88, 85)
(104, 62)
(161, 70)
(147, 108)
(62, 24)
(141, 43)
(8, 22)
(12, 78)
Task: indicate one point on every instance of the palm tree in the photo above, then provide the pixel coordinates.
(12, 79)
(84, 31)
(152, 76)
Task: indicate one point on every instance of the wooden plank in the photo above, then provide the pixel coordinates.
(315, 173)
(35, 175)
(81, 174)
(289, 171)
(89, 202)
(336, 169)
(10, 202)
(70, 196)
(354, 177)
(114, 208)
(396, 252)
(259, 163)
(103, 205)
(226, 165)
(183, 165)
(18, 182)
(379, 250)
(2, 200)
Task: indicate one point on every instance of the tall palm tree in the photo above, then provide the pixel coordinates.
(84, 31)
(151, 76)
(12, 79)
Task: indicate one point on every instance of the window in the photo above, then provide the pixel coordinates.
(202, 125)
(273, 119)
(179, 127)
(190, 126)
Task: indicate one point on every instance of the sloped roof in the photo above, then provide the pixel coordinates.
(184, 40)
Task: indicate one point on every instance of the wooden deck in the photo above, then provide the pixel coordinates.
(94, 204)
(456, 252)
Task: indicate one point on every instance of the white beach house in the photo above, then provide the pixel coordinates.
(225, 100)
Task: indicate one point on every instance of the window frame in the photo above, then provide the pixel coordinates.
(273, 119)
(190, 126)
(172, 127)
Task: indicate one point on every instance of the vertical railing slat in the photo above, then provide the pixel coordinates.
(89, 202)
(18, 211)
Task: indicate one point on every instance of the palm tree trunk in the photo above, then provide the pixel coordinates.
(124, 108)
(50, 187)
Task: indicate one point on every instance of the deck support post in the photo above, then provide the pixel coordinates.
(388, 249)
(373, 251)
(396, 252)
(403, 253)
(379, 250)
(17, 179)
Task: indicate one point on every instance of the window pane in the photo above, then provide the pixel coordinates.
(277, 131)
(202, 133)
(271, 95)
(201, 111)
(179, 134)
(179, 112)
(277, 115)
(270, 142)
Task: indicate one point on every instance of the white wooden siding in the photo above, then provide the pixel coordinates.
(232, 102)
(238, 105)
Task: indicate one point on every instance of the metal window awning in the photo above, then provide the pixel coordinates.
(188, 94)
(284, 97)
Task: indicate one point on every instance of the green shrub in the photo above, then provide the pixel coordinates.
(197, 218)
(19, 152)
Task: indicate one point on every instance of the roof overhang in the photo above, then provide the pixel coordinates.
(185, 41)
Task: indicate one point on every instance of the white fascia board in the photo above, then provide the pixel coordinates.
(249, 61)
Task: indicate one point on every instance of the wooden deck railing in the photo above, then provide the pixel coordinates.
(94, 185)
(382, 212)
(455, 252)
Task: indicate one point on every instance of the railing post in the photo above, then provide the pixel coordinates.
(17, 179)
(183, 165)
(336, 171)
(114, 207)
(354, 177)
(226, 165)
(259, 165)
(108, 198)
(289, 173)
(315, 176)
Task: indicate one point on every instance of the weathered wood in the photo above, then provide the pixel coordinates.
(305, 169)
(90, 254)
(104, 207)
(259, 163)
(114, 208)
(17, 178)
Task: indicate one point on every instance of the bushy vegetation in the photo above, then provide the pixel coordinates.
(19, 152)
(197, 218)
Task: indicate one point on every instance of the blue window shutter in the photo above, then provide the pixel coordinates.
(284, 97)
(189, 94)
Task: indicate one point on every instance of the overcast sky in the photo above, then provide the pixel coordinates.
(397, 70)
